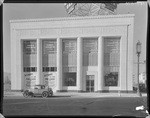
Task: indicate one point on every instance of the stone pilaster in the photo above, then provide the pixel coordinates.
(39, 62)
(79, 64)
(59, 64)
(100, 65)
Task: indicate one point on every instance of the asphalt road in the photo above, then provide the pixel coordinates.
(67, 105)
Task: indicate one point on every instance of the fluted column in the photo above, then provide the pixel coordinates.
(79, 64)
(59, 64)
(100, 64)
(39, 62)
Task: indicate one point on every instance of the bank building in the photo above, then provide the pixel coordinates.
(89, 51)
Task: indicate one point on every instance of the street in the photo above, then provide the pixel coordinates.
(68, 105)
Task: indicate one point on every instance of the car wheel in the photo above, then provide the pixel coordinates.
(45, 94)
(26, 94)
(31, 95)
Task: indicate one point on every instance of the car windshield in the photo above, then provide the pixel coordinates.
(43, 87)
(37, 87)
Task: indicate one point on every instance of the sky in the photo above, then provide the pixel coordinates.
(13, 11)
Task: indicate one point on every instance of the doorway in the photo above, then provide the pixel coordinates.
(90, 83)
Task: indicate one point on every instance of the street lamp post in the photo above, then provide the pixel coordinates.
(138, 51)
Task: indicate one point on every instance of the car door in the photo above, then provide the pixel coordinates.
(36, 90)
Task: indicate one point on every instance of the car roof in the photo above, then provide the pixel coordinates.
(39, 85)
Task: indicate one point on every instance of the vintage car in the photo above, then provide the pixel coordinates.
(38, 90)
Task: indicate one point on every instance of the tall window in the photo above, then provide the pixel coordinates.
(69, 59)
(90, 52)
(29, 55)
(49, 53)
(111, 61)
(69, 52)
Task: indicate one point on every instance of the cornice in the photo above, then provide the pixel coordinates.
(74, 18)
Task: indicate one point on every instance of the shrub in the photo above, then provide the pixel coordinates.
(142, 88)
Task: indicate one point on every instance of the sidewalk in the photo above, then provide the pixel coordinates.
(93, 95)
(76, 94)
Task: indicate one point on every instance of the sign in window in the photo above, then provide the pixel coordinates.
(29, 47)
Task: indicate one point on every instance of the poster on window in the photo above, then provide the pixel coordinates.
(50, 80)
(49, 46)
(90, 45)
(46, 76)
(69, 46)
(29, 47)
(33, 81)
(30, 80)
(27, 82)
(112, 45)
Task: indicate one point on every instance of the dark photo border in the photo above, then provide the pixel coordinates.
(66, 1)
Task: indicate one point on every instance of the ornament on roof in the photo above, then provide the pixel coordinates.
(90, 9)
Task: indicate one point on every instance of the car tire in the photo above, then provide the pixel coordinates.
(31, 95)
(26, 94)
(45, 94)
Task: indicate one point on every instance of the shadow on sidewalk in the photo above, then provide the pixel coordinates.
(55, 96)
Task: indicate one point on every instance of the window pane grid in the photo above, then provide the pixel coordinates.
(49, 69)
(30, 69)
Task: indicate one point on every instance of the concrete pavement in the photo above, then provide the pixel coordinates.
(74, 104)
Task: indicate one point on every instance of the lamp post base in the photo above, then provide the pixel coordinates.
(139, 94)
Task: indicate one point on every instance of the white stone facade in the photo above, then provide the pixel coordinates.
(78, 28)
